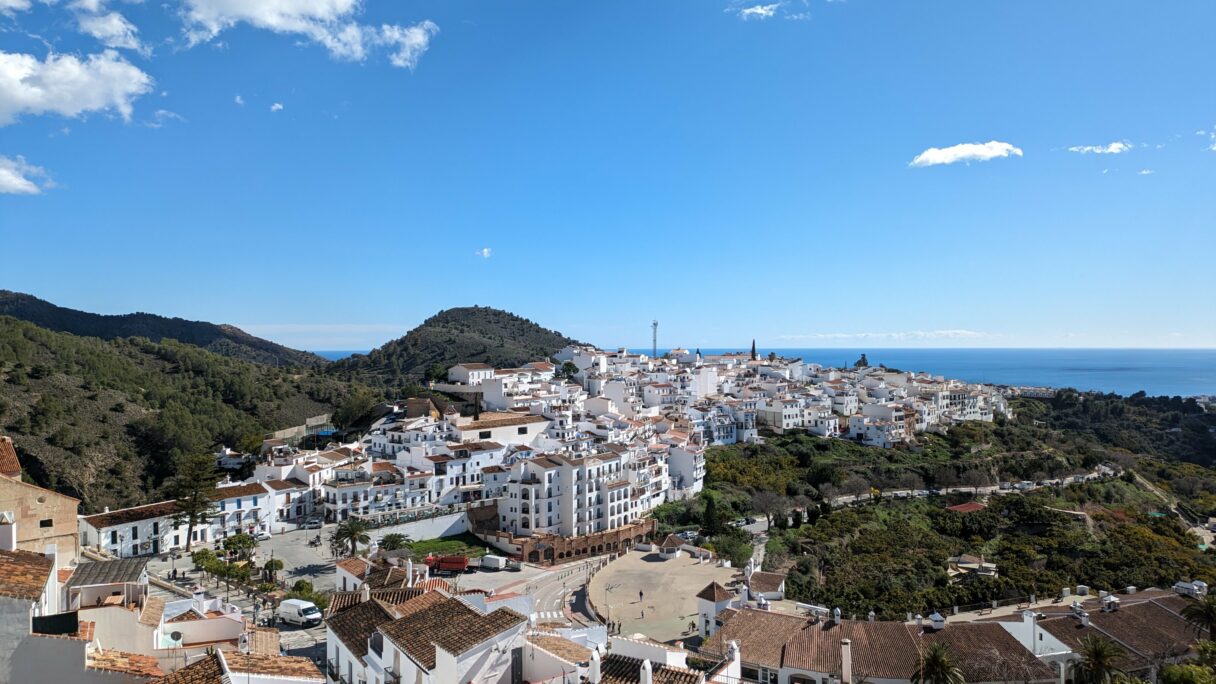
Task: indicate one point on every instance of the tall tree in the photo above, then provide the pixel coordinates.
(1202, 615)
(753, 349)
(711, 520)
(937, 667)
(394, 541)
(1099, 663)
(349, 534)
(193, 480)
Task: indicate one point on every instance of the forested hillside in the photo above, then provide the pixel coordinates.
(102, 420)
(466, 334)
(225, 340)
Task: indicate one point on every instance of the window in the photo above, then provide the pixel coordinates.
(156, 527)
(485, 434)
(46, 523)
(134, 532)
(522, 431)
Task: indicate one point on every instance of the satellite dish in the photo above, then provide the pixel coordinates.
(176, 636)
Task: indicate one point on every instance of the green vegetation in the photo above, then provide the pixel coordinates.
(461, 545)
(1099, 663)
(304, 590)
(348, 535)
(224, 340)
(394, 541)
(192, 482)
(467, 334)
(892, 557)
(937, 666)
(104, 421)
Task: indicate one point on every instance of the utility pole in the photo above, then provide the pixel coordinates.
(654, 339)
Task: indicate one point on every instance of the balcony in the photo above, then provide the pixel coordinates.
(332, 669)
(391, 676)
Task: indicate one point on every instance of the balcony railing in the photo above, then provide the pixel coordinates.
(391, 676)
(332, 669)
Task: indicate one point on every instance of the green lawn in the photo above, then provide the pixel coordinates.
(461, 545)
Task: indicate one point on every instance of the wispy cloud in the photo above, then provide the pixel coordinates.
(239, 100)
(906, 335)
(17, 177)
(1117, 147)
(966, 153)
(484, 253)
(162, 116)
(1145, 172)
(276, 107)
(760, 12)
(332, 24)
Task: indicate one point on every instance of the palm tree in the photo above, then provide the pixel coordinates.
(352, 533)
(937, 667)
(1099, 663)
(394, 541)
(1202, 615)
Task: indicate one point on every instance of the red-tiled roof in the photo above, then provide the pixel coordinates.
(969, 507)
(10, 466)
(24, 574)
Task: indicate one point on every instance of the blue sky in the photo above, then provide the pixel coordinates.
(328, 173)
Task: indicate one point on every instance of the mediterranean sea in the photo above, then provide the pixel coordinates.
(1169, 372)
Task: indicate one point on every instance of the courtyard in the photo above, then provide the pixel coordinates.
(668, 591)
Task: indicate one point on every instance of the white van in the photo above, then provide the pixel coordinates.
(299, 612)
(490, 562)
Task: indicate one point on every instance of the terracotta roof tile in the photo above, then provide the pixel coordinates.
(295, 667)
(449, 624)
(562, 648)
(24, 574)
(619, 669)
(206, 670)
(715, 592)
(130, 515)
(354, 626)
(153, 610)
(10, 466)
(121, 661)
(355, 566)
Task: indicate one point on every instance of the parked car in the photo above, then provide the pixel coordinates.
(299, 612)
(261, 535)
(312, 524)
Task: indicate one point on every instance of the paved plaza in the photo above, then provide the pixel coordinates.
(669, 593)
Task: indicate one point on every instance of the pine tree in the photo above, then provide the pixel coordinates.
(191, 487)
(753, 349)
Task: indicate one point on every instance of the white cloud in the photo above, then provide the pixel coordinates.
(112, 29)
(965, 152)
(1145, 172)
(408, 43)
(10, 6)
(484, 252)
(19, 178)
(162, 116)
(1117, 147)
(67, 85)
(239, 100)
(329, 23)
(276, 107)
(896, 336)
(759, 11)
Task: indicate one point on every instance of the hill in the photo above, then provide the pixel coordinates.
(225, 340)
(472, 334)
(102, 420)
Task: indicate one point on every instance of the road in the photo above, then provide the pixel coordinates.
(562, 588)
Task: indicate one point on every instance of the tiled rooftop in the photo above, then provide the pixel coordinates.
(24, 574)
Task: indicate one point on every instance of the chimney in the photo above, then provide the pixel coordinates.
(836, 615)
(732, 652)
(646, 676)
(1084, 619)
(593, 668)
(846, 661)
(870, 617)
(409, 572)
(8, 531)
(365, 593)
(920, 621)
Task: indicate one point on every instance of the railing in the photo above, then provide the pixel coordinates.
(332, 669)
(391, 676)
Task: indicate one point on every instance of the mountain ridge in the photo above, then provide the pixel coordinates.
(221, 338)
(457, 335)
